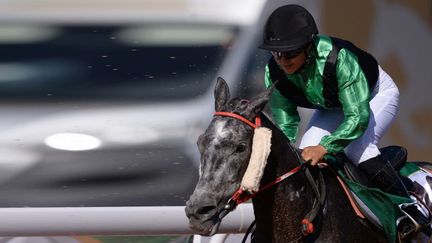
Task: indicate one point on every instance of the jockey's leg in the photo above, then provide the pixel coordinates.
(365, 154)
(364, 151)
(384, 177)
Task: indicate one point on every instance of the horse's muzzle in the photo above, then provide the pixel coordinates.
(203, 218)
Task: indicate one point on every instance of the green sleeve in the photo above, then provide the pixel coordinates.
(283, 110)
(354, 96)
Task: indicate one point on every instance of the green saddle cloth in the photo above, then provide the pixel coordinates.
(383, 205)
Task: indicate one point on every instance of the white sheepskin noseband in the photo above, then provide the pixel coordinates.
(261, 144)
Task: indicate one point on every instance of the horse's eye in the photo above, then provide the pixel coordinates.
(241, 147)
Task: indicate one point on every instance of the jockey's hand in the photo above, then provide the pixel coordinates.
(314, 154)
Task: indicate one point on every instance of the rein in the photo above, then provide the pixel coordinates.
(241, 196)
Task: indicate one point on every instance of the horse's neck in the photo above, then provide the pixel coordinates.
(283, 155)
(291, 198)
(280, 210)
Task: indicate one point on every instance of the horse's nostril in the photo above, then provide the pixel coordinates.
(206, 209)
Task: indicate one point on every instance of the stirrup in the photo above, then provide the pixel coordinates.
(417, 226)
(407, 216)
(406, 228)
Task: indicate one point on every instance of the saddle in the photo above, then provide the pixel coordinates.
(396, 155)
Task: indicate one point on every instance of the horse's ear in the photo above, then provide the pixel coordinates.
(221, 93)
(258, 103)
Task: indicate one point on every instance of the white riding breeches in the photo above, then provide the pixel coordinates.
(383, 106)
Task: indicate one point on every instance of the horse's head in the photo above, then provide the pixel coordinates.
(225, 149)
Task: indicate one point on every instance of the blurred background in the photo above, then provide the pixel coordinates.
(101, 101)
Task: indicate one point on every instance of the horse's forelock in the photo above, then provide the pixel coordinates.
(224, 129)
(220, 131)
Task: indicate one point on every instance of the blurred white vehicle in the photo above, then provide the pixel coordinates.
(102, 101)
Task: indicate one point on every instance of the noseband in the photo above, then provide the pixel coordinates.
(241, 196)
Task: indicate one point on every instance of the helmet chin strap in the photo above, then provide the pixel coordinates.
(308, 50)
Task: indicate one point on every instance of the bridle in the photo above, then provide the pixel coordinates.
(241, 118)
(241, 196)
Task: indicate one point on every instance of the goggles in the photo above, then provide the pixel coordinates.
(286, 54)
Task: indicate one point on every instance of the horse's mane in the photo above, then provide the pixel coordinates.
(269, 121)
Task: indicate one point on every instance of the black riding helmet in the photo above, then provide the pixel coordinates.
(289, 28)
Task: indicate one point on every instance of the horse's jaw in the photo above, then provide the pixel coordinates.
(204, 229)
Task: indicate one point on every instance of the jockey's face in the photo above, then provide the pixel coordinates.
(290, 63)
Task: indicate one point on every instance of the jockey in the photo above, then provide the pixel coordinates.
(354, 99)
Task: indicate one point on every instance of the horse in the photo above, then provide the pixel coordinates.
(280, 210)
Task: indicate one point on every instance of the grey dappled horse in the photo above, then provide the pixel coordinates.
(225, 149)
